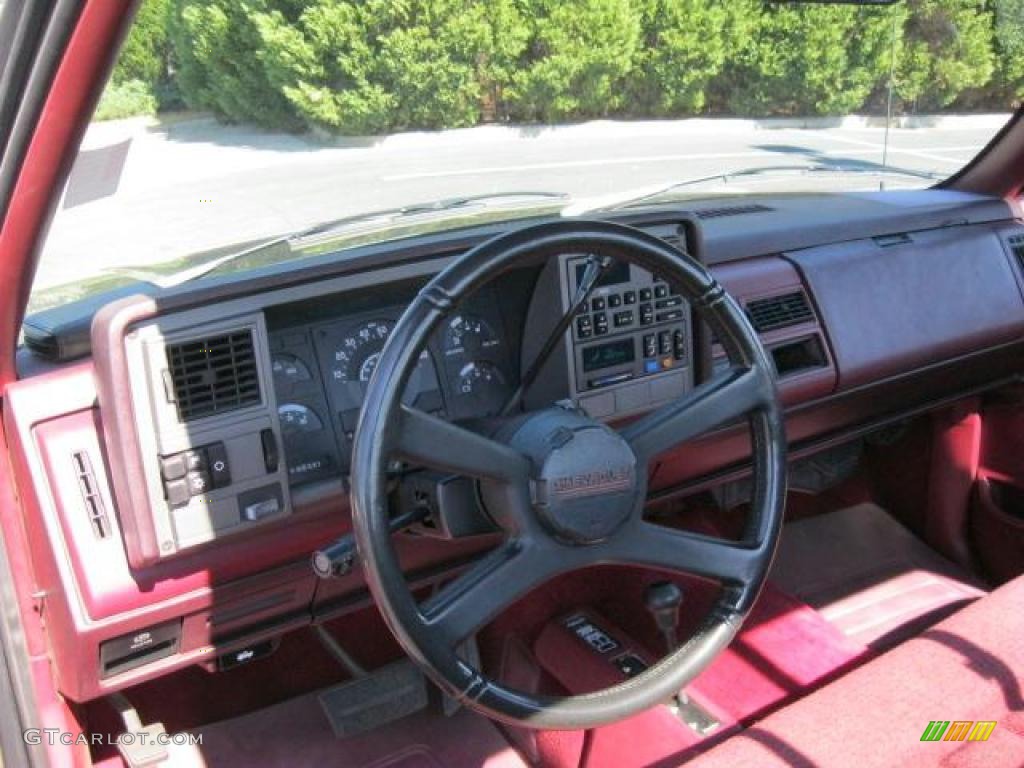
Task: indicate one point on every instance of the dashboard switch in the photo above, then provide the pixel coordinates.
(271, 456)
(260, 503)
(178, 465)
(198, 482)
(177, 492)
(217, 465)
(260, 509)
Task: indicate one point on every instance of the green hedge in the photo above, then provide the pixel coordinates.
(369, 66)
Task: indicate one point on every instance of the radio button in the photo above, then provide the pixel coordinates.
(650, 345)
(678, 345)
(660, 291)
(665, 343)
(629, 297)
(645, 294)
(597, 303)
(614, 300)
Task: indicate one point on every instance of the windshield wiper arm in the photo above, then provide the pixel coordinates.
(335, 225)
(632, 197)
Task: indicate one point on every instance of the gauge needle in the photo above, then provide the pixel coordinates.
(596, 267)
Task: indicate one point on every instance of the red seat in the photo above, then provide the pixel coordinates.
(970, 667)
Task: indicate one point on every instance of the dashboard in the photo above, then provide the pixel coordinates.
(177, 478)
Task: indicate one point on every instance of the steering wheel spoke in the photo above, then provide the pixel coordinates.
(656, 546)
(492, 583)
(726, 397)
(432, 442)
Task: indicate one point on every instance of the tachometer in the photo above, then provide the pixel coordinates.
(468, 335)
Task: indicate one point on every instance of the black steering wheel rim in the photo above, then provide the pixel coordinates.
(386, 429)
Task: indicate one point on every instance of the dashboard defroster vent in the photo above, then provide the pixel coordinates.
(779, 311)
(213, 375)
(730, 210)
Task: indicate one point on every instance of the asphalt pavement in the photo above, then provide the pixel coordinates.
(190, 185)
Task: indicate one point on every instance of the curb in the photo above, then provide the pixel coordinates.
(109, 132)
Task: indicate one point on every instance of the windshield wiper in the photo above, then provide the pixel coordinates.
(374, 217)
(417, 209)
(635, 196)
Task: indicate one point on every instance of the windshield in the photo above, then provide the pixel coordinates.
(226, 124)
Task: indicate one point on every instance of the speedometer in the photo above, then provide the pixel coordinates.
(353, 356)
(356, 357)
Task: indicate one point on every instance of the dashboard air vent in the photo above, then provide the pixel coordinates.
(213, 375)
(730, 210)
(1016, 243)
(779, 311)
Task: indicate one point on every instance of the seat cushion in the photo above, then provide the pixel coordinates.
(969, 667)
(870, 576)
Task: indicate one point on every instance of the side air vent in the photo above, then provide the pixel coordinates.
(213, 375)
(91, 496)
(1016, 243)
(779, 311)
(730, 210)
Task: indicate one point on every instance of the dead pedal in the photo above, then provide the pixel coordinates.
(381, 697)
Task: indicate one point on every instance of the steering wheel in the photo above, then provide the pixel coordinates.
(567, 491)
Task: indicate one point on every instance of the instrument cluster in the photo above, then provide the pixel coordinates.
(322, 371)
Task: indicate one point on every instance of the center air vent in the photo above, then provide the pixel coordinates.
(730, 210)
(779, 311)
(213, 375)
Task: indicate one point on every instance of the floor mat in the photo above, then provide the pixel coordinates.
(296, 733)
(869, 576)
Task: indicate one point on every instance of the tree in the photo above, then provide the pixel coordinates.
(685, 45)
(220, 57)
(807, 59)
(578, 61)
(378, 65)
(947, 49)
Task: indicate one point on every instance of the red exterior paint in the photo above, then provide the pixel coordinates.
(79, 79)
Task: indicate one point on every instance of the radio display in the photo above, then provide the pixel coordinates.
(609, 354)
(616, 273)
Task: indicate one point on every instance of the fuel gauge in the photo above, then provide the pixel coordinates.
(296, 418)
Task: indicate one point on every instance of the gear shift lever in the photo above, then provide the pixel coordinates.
(662, 600)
